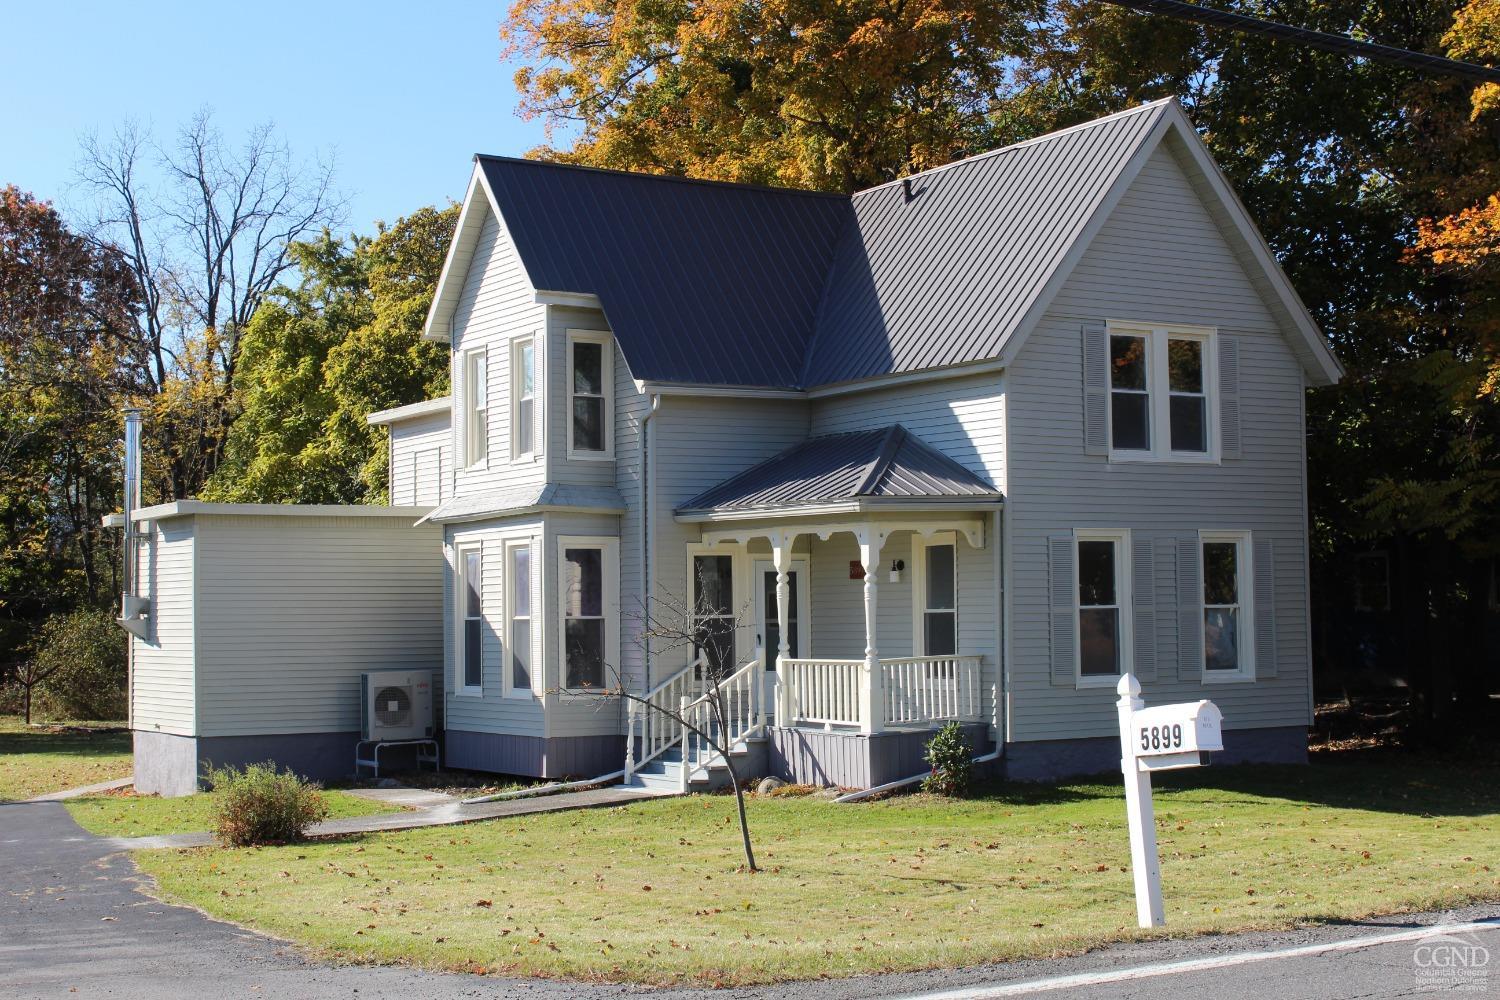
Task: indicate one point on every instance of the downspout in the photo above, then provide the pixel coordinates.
(648, 485)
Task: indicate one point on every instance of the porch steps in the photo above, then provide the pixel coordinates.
(664, 774)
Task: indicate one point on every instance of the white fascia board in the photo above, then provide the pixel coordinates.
(396, 414)
(871, 505)
(875, 382)
(578, 300)
(716, 391)
(189, 508)
(510, 512)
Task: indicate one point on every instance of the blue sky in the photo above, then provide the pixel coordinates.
(402, 93)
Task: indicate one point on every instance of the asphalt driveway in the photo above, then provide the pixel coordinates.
(75, 922)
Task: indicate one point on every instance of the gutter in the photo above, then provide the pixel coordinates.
(648, 484)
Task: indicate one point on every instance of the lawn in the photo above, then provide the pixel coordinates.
(38, 760)
(129, 815)
(652, 892)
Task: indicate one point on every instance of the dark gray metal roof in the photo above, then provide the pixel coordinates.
(700, 281)
(886, 463)
(940, 269)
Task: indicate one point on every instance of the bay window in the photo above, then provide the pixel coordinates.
(518, 612)
(470, 601)
(590, 628)
(590, 395)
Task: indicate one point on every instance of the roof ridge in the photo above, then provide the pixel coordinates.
(676, 178)
(1045, 137)
(880, 465)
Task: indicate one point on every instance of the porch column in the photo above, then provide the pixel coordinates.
(871, 688)
(781, 555)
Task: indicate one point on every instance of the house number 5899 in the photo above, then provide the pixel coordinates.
(1161, 737)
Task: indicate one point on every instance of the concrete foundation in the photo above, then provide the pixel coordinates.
(854, 760)
(172, 765)
(1048, 760)
(534, 756)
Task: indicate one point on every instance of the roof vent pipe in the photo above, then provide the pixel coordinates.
(132, 606)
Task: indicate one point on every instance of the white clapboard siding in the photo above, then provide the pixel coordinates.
(961, 417)
(421, 461)
(162, 669)
(291, 609)
(1158, 258)
(496, 305)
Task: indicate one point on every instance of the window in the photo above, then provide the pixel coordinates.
(476, 414)
(518, 601)
(1372, 582)
(590, 579)
(1226, 605)
(471, 618)
(590, 382)
(523, 399)
(1160, 403)
(713, 611)
(1103, 622)
(936, 593)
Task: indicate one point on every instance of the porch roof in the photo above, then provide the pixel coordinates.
(887, 465)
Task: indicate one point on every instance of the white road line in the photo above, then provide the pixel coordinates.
(1200, 964)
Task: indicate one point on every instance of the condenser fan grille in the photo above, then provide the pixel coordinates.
(393, 706)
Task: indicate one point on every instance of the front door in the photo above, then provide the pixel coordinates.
(767, 629)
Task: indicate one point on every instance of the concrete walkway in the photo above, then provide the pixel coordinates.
(78, 793)
(447, 814)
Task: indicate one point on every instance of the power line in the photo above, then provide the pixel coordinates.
(1317, 39)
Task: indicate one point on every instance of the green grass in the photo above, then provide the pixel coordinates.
(652, 892)
(36, 761)
(151, 815)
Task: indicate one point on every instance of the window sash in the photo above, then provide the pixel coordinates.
(586, 613)
(939, 599)
(523, 405)
(1226, 644)
(1102, 625)
(519, 570)
(713, 610)
(590, 395)
(1179, 424)
(476, 413)
(470, 571)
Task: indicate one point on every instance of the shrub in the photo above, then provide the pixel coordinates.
(82, 656)
(261, 805)
(952, 759)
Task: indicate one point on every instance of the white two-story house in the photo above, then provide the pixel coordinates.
(968, 445)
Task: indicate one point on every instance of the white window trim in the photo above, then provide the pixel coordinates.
(744, 581)
(1159, 389)
(607, 376)
(919, 546)
(766, 615)
(473, 417)
(610, 567)
(1245, 586)
(1360, 604)
(461, 550)
(1123, 598)
(538, 396)
(507, 672)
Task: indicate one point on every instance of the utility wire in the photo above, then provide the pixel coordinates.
(1421, 61)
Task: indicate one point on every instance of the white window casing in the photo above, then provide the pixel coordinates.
(476, 408)
(1102, 605)
(1151, 382)
(468, 606)
(588, 575)
(525, 399)
(591, 396)
(1226, 571)
(519, 668)
(934, 603)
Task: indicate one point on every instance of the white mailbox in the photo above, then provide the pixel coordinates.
(1182, 735)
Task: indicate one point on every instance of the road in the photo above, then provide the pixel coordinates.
(75, 921)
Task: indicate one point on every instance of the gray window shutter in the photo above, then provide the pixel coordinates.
(1264, 569)
(1229, 397)
(1143, 607)
(1189, 610)
(1166, 569)
(1062, 596)
(1095, 388)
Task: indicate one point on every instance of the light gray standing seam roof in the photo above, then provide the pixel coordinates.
(887, 463)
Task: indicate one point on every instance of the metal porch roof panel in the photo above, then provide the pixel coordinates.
(701, 282)
(886, 463)
(939, 270)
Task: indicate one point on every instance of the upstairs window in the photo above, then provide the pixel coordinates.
(476, 412)
(523, 399)
(590, 395)
(1160, 393)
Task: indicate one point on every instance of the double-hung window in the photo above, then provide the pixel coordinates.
(523, 409)
(713, 611)
(1227, 621)
(470, 601)
(1160, 393)
(518, 605)
(1103, 605)
(590, 395)
(476, 410)
(590, 579)
(937, 595)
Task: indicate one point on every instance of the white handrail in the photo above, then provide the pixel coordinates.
(744, 717)
(659, 731)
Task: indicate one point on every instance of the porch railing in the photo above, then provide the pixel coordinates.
(651, 732)
(914, 690)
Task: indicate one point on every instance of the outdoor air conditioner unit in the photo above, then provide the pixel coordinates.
(396, 705)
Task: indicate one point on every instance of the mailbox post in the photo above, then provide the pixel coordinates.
(1163, 738)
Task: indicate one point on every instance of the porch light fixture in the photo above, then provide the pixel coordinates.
(897, 565)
